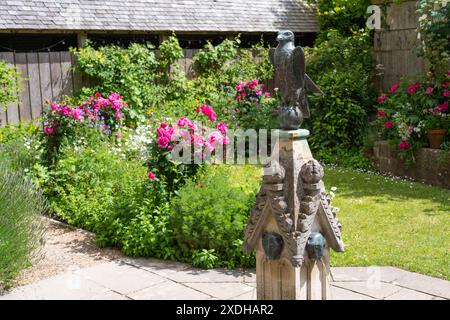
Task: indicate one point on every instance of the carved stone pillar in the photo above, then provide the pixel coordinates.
(292, 225)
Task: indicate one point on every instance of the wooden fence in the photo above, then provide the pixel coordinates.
(46, 76)
(394, 45)
(50, 75)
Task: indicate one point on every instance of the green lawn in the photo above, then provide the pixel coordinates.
(391, 222)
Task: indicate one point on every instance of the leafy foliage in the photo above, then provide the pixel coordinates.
(9, 84)
(342, 67)
(434, 29)
(211, 212)
(346, 16)
(214, 58)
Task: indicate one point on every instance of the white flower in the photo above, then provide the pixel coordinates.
(333, 189)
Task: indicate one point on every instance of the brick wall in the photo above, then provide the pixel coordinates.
(431, 165)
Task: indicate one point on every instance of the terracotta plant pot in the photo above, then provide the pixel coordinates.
(436, 137)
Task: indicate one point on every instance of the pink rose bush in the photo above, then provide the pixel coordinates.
(61, 121)
(408, 110)
(197, 141)
(247, 100)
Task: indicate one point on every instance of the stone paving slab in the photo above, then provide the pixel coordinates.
(223, 290)
(68, 286)
(407, 294)
(169, 290)
(424, 284)
(384, 274)
(214, 275)
(155, 279)
(344, 294)
(378, 290)
(120, 277)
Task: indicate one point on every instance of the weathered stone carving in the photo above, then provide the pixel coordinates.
(270, 201)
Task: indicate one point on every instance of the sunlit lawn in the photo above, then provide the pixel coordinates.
(391, 222)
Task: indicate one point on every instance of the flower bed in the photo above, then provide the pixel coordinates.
(408, 113)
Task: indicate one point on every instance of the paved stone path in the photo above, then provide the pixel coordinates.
(127, 278)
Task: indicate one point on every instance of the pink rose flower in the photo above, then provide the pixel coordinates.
(215, 138)
(182, 122)
(381, 98)
(394, 88)
(77, 115)
(151, 175)
(381, 113)
(49, 131)
(163, 142)
(114, 96)
(163, 125)
(191, 125)
(208, 111)
(412, 89)
(389, 124)
(258, 92)
(428, 90)
(267, 94)
(199, 141)
(447, 93)
(442, 107)
(445, 83)
(403, 145)
(222, 127)
(225, 140)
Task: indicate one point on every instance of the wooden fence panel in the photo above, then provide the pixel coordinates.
(66, 73)
(45, 76)
(24, 95)
(56, 76)
(34, 85)
(77, 78)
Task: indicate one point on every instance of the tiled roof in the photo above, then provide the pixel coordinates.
(159, 15)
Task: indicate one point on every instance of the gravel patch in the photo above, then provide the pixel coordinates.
(66, 249)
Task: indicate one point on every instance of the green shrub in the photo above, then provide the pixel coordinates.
(434, 29)
(21, 225)
(212, 59)
(341, 66)
(211, 214)
(93, 187)
(346, 16)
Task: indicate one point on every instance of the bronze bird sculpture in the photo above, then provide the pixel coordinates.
(291, 80)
